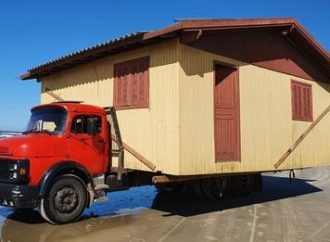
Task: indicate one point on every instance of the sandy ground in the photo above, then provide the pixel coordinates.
(297, 211)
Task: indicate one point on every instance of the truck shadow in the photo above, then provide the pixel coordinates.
(131, 210)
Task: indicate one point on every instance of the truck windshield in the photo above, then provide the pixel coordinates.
(50, 120)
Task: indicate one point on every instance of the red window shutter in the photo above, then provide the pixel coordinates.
(307, 104)
(117, 99)
(121, 87)
(144, 83)
(131, 83)
(301, 101)
(134, 84)
(124, 92)
(115, 89)
(294, 100)
(304, 103)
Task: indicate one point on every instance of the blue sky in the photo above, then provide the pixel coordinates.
(35, 31)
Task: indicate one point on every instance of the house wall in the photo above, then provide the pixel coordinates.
(152, 131)
(176, 132)
(266, 125)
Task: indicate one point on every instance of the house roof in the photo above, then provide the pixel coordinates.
(127, 42)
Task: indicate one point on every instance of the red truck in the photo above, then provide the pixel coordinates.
(63, 161)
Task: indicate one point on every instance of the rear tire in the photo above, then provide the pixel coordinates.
(65, 200)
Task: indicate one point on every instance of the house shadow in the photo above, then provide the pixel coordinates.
(183, 204)
(29, 226)
(274, 188)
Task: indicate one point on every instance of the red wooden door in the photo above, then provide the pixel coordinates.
(226, 114)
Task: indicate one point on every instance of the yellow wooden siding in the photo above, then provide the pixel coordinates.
(315, 149)
(177, 131)
(267, 129)
(153, 131)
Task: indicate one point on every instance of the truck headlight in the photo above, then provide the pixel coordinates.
(15, 175)
(19, 170)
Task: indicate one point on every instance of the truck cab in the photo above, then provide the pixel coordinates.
(57, 162)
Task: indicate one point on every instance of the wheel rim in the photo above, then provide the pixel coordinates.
(66, 200)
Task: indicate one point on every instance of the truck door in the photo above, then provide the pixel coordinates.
(87, 149)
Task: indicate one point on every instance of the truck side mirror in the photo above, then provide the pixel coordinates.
(91, 126)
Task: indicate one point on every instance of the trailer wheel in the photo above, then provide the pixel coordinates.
(169, 188)
(65, 200)
(213, 188)
(197, 188)
(207, 188)
(242, 185)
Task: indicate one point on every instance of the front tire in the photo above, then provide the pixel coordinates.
(65, 200)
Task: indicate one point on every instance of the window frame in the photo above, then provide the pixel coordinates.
(140, 100)
(84, 118)
(298, 107)
(65, 123)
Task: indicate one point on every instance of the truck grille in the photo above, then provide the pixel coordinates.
(5, 169)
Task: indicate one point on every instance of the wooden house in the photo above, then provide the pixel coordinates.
(206, 96)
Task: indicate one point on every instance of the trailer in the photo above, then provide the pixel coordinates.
(208, 103)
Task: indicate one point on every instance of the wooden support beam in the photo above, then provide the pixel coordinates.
(137, 155)
(301, 138)
(54, 95)
(161, 179)
(170, 179)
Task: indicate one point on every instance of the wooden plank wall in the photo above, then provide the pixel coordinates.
(151, 131)
(177, 131)
(267, 129)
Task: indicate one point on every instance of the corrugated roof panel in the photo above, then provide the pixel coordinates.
(118, 44)
(90, 48)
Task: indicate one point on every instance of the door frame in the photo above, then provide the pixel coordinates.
(220, 63)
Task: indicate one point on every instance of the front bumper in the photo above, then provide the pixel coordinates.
(18, 196)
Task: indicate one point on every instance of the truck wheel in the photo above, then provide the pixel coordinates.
(65, 201)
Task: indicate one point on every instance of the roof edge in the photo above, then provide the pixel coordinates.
(220, 23)
(140, 38)
(84, 54)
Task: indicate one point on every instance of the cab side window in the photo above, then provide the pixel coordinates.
(80, 124)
